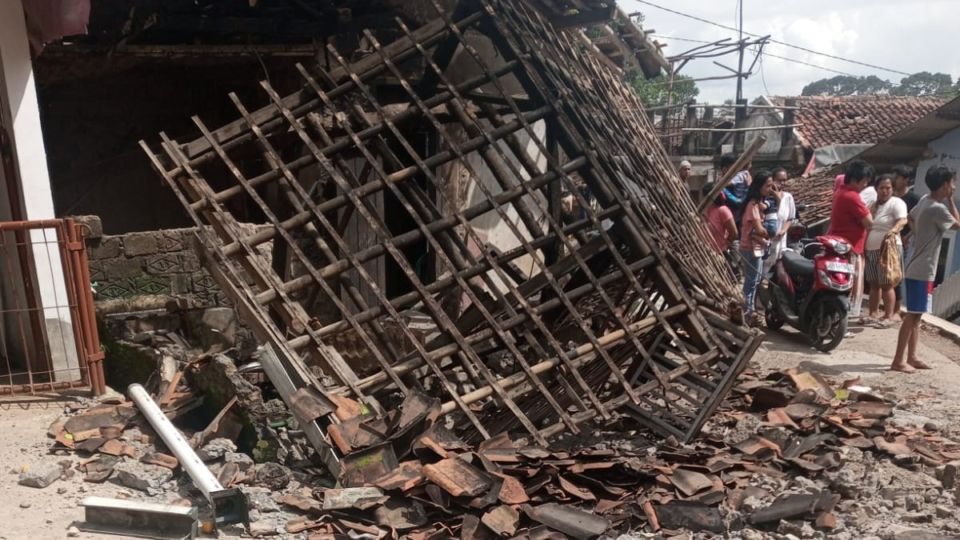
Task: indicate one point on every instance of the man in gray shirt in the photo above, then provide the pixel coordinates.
(934, 215)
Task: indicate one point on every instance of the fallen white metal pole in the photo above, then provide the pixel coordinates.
(229, 505)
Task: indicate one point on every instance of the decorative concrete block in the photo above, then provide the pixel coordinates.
(162, 264)
(189, 262)
(107, 247)
(123, 268)
(140, 244)
(170, 241)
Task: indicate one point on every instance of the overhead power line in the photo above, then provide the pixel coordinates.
(765, 53)
(801, 62)
(811, 51)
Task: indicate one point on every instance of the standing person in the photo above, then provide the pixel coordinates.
(889, 218)
(720, 222)
(850, 219)
(684, 172)
(903, 188)
(934, 215)
(787, 213)
(754, 239)
(736, 191)
(722, 227)
(869, 194)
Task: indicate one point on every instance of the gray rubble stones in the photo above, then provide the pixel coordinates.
(142, 476)
(40, 476)
(746, 427)
(260, 499)
(914, 502)
(268, 526)
(272, 476)
(216, 449)
(243, 461)
(948, 474)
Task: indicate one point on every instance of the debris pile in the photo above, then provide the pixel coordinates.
(421, 247)
(786, 454)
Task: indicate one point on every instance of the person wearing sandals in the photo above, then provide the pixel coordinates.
(754, 243)
(903, 188)
(850, 219)
(889, 218)
(934, 215)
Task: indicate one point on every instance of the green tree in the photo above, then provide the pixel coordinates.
(925, 84)
(658, 91)
(847, 85)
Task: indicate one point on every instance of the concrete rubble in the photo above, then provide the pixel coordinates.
(788, 455)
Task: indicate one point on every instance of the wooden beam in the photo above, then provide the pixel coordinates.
(732, 171)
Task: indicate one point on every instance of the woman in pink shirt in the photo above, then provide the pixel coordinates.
(720, 221)
(754, 240)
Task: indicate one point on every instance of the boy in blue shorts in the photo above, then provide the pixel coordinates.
(934, 215)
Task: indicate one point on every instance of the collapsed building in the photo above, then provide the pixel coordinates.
(459, 230)
(418, 242)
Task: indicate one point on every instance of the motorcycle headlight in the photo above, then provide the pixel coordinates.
(841, 248)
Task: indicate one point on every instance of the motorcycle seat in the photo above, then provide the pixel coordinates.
(797, 264)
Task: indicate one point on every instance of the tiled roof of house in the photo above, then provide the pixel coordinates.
(816, 193)
(831, 120)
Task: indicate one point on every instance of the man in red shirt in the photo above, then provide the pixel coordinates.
(850, 219)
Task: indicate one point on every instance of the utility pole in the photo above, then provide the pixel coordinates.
(740, 115)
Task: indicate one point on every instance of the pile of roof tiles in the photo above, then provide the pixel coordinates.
(407, 475)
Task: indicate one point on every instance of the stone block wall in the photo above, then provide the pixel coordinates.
(153, 263)
(150, 263)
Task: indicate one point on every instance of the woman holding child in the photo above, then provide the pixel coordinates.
(755, 239)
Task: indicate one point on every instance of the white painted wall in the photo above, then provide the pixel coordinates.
(945, 151)
(23, 114)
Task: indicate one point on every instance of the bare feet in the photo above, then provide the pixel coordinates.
(905, 368)
(919, 364)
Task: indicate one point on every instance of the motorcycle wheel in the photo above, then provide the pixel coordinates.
(829, 340)
(772, 317)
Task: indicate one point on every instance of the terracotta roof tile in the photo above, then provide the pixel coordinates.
(856, 119)
(816, 193)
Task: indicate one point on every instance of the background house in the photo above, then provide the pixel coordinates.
(933, 139)
(829, 129)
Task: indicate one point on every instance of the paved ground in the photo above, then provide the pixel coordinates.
(925, 396)
(37, 513)
(933, 394)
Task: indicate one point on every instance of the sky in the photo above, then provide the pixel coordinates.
(903, 35)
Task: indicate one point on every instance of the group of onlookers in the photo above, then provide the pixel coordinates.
(880, 217)
(748, 222)
(894, 234)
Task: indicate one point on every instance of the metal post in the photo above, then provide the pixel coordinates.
(229, 505)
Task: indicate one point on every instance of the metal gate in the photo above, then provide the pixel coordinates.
(48, 331)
